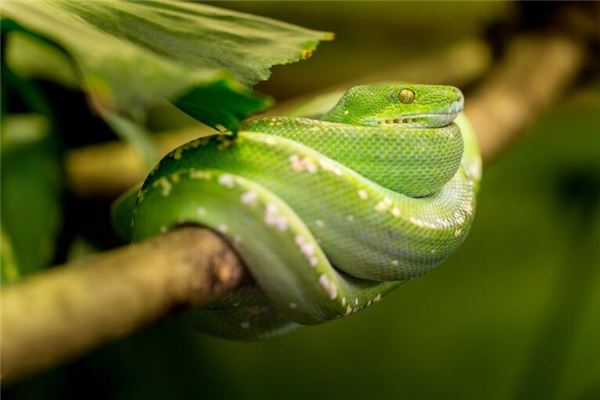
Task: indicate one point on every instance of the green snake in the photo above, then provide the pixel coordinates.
(329, 213)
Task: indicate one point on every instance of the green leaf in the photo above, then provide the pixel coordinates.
(30, 193)
(133, 55)
(33, 58)
(10, 271)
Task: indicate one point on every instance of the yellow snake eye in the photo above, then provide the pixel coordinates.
(406, 96)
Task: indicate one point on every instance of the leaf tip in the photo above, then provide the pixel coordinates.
(306, 54)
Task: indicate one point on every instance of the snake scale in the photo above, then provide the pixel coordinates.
(330, 213)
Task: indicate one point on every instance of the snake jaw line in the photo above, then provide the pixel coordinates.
(425, 120)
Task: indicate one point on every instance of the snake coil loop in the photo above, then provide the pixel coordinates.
(328, 214)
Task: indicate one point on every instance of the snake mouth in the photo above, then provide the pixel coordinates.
(437, 119)
(429, 120)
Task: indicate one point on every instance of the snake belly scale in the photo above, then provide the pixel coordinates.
(329, 214)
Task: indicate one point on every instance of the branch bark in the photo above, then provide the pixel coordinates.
(535, 73)
(69, 309)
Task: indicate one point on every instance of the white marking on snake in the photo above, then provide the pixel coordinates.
(177, 153)
(302, 164)
(272, 217)
(201, 211)
(348, 310)
(468, 208)
(329, 286)
(297, 165)
(396, 212)
(203, 175)
(363, 194)
(249, 198)
(422, 224)
(377, 298)
(227, 180)
(222, 228)
(165, 186)
(343, 301)
(329, 165)
(310, 165)
(308, 249)
(383, 205)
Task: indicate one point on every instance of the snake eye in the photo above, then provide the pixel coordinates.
(406, 96)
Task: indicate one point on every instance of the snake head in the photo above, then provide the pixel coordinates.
(398, 104)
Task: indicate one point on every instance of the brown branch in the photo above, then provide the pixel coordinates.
(62, 312)
(535, 73)
(67, 310)
(109, 169)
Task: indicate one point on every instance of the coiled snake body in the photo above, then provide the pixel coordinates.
(328, 214)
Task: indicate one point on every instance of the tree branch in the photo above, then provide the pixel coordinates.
(69, 309)
(64, 311)
(536, 71)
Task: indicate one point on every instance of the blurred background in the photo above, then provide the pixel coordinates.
(513, 314)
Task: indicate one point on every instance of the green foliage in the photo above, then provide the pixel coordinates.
(130, 59)
(133, 55)
(31, 184)
(30, 194)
